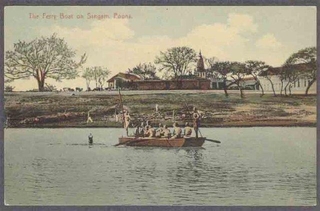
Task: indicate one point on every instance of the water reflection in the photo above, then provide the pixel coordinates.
(63, 170)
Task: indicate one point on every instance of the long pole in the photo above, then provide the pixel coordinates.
(121, 106)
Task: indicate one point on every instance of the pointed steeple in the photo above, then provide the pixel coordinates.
(200, 63)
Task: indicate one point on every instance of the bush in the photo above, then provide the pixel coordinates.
(9, 88)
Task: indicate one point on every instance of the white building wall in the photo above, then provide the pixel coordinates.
(299, 86)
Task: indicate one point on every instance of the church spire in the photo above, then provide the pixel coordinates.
(200, 63)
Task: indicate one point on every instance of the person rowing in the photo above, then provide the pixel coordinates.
(159, 131)
(177, 131)
(187, 130)
(166, 132)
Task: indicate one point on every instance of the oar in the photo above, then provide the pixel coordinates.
(214, 141)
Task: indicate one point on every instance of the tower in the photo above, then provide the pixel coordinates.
(201, 72)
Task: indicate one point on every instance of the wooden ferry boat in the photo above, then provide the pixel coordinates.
(162, 142)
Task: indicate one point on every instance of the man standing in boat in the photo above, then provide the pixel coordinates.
(127, 119)
(196, 121)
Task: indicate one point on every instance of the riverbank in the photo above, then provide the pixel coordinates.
(58, 110)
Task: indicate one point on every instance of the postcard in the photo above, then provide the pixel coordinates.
(160, 105)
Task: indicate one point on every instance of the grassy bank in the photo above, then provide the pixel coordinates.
(61, 110)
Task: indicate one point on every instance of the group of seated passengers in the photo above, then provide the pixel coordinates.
(162, 131)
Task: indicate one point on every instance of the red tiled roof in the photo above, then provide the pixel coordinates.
(126, 76)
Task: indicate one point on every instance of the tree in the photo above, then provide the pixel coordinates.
(98, 74)
(146, 71)
(220, 70)
(254, 68)
(290, 74)
(210, 63)
(238, 71)
(42, 58)
(176, 61)
(87, 74)
(307, 57)
(267, 74)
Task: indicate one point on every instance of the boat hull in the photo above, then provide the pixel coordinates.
(162, 142)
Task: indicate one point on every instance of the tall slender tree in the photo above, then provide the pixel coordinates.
(87, 74)
(98, 74)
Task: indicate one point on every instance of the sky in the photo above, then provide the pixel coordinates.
(229, 33)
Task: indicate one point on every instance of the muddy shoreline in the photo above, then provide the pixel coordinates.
(25, 110)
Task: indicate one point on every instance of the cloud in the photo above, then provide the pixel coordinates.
(100, 33)
(242, 22)
(114, 44)
(268, 41)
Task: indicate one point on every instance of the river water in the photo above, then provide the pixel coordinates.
(251, 166)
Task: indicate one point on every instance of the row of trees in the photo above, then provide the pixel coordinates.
(180, 61)
(97, 74)
(52, 58)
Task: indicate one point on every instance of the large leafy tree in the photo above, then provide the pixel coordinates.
(307, 57)
(176, 61)
(145, 70)
(42, 58)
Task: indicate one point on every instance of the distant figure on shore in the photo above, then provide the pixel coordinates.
(89, 119)
(90, 137)
(173, 115)
(116, 117)
(6, 124)
(187, 130)
(157, 108)
(196, 121)
(127, 120)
